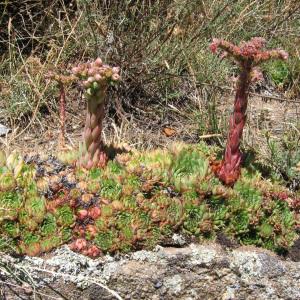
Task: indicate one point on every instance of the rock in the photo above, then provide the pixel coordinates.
(4, 130)
(188, 273)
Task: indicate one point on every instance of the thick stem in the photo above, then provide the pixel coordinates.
(94, 155)
(230, 168)
(62, 114)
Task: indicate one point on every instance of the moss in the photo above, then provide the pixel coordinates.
(66, 234)
(266, 230)
(174, 212)
(100, 224)
(114, 167)
(127, 233)
(193, 216)
(10, 202)
(81, 174)
(107, 211)
(129, 202)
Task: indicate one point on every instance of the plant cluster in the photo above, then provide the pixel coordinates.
(29, 223)
(139, 200)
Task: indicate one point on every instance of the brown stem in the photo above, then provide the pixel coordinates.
(62, 114)
(230, 167)
(94, 155)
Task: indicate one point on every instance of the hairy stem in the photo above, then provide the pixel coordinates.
(94, 155)
(230, 168)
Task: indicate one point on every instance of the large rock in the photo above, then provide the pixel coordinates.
(193, 272)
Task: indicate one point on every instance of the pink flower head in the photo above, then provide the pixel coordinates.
(251, 51)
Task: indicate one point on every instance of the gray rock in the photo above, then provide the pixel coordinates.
(189, 273)
(4, 130)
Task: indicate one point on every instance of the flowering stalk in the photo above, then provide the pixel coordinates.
(62, 114)
(248, 55)
(96, 79)
(62, 81)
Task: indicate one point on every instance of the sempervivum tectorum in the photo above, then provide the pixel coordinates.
(247, 55)
(96, 78)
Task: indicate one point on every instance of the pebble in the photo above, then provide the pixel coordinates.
(4, 130)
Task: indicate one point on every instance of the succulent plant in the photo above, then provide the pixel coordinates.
(48, 227)
(110, 189)
(248, 55)
(96, 78)
(64, 216)
(10, 203)
(105, 240)
(140, 202)
(35, 207)
(47, 244)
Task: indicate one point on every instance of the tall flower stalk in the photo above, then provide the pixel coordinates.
(247, 55)
(62, 81)
(96, 78)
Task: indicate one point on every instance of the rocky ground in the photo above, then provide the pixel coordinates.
(183, 272)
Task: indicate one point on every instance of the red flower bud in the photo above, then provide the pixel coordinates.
(98, 62)
(91, 79)
(116, 70)
(98, 77)
(115, 77)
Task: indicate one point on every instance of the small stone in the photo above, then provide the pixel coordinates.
(4, 130)
(158, 284)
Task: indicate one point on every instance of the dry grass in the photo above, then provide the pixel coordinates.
(169, 77)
